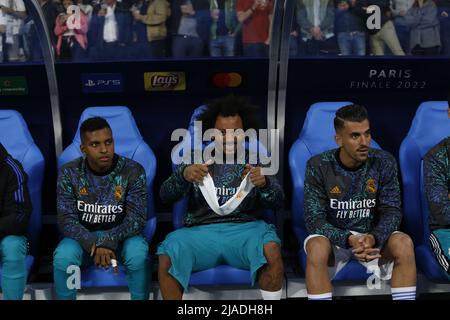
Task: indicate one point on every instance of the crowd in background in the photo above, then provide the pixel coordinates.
(150, 29)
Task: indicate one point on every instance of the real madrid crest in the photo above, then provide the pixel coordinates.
(371, 186)
(118, 192)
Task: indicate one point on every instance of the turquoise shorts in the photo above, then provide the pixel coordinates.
(440, 242)
(240, 245)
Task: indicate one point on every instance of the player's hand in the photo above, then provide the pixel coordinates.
(367, 241)
(363, 247)
(103, 257)
(353, 241)
(366, 255)
(247, 169)
(444, 14)
(195, 172)
(258, 179)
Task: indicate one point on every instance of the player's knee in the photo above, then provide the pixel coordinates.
(164, 264)
(13, 248)
(137, 260)
(402, 247)
(65, 255)
(318, 250)
(272, 252)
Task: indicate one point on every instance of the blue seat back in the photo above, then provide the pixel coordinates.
(429, 126)
(128, 142)
(16, 138)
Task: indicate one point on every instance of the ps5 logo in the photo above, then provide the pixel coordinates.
(101, 82)
(93, 83)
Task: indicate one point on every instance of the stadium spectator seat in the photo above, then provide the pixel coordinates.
(429, 126)
(129, 143)
(316, 136)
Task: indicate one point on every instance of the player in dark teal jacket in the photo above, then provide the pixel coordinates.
(209, 238)
(352, 211)
(436, 170)
(102, 211)
(15, 211)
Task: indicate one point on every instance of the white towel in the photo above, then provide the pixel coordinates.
(208, 190)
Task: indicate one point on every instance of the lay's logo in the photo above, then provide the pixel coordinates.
(165, 81)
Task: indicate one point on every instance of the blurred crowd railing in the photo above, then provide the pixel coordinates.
(92, 30)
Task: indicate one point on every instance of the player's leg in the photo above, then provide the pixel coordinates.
(255, 246)
(135, 258)
(318, 253)
(68, 253)
(399, 248)
(13, 251)
(270, 276)
(171, 289)
(440, 242)
(184, 251)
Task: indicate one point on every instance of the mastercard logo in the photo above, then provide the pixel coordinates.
(227, 80)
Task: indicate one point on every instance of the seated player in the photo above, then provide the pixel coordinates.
(102, 211)
(15, 212)
(352, 211)
(209, 238)
(436, 170)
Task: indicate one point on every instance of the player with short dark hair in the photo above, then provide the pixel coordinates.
(102, 211)
(352, 211)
